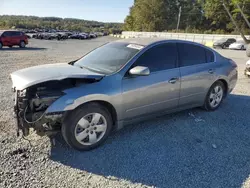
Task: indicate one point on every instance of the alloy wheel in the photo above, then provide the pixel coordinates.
(216, 96)
(90, 129)
(22, 44)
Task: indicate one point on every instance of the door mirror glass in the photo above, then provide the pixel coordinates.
(139, 71)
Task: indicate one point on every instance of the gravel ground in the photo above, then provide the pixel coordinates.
(192, 148)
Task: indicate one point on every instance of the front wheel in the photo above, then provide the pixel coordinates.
(215, 96)
(1, 45)
(87, 127)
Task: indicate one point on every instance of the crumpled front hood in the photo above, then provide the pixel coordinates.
(25, 78)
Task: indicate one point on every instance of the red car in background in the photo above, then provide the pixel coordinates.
(13, 38)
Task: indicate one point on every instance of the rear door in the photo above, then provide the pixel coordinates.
(197, 68)
(15, 37)
(158, 91)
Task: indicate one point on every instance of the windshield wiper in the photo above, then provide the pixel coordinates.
(91, 69)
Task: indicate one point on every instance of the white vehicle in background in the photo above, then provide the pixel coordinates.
(247, 70)
(238, 45)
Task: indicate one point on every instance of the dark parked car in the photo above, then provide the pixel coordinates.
(117, 84)
(13, 38)
(224, 43)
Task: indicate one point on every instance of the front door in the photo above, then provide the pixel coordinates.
(158, 91)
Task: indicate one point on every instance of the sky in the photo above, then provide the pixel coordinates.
(98, 10)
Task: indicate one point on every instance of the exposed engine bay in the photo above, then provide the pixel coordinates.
(31, 105)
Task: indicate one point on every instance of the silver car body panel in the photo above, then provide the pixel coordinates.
(135, 97)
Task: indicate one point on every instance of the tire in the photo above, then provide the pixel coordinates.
(10, 46)
(22, 44)
(242, 47)
(1, 45)
(78, 135)
(223, 46)
(208, 104)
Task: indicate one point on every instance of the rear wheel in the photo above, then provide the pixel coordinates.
(242, 47)
(87, 127)
(10, 46)
(215, 96)
(22, 44)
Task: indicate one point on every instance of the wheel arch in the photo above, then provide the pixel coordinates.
(225, 83)
(105, 104)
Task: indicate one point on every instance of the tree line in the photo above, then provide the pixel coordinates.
(196, 16)
(34, 22)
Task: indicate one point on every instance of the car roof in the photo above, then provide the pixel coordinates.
(143, 41)
(1, 31)
(148, 41)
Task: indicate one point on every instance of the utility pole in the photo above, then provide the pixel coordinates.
(243, 15)
(235, 24)
(179, 18)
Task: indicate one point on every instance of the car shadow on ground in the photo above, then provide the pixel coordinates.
(22, 49)
(192, 148)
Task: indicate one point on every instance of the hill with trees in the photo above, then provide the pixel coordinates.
(198, 16)
(33, 22)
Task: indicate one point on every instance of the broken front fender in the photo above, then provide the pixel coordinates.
(66, 103)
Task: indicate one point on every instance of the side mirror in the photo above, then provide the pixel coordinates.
(139, 71)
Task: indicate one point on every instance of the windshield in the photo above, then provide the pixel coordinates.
(222, 40)
(109, 58)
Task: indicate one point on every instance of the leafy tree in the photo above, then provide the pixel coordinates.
(208, 16)
(33, 22)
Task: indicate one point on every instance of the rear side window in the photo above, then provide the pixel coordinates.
(191, 54)
(158, 58)
(210, 56)
(16, 33)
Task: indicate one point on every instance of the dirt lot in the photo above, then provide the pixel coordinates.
(193, 148)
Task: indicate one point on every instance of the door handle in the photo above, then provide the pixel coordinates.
(173, 80)
(211, 71)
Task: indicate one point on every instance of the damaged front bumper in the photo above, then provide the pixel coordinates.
(43, 123)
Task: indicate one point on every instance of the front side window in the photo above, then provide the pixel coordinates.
(109, 58)
(158, 58)
(191, 54)
(16, 33)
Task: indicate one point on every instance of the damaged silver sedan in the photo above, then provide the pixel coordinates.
(119, 83)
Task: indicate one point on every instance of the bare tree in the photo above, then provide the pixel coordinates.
(234, 22)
